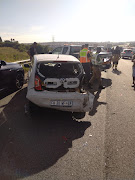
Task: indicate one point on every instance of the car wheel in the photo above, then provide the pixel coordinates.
(79, 115)
(19, 79)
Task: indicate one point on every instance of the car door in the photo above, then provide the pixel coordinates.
(65, 50)
(5, 75)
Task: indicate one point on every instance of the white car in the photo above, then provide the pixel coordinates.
(55, 82)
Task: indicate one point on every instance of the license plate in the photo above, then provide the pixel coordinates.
(62, 103)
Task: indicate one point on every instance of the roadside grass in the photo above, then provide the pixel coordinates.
(9, 54)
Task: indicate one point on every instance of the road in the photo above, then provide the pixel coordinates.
(54, 145)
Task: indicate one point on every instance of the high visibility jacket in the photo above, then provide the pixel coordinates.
(96, 59)
(83, 55)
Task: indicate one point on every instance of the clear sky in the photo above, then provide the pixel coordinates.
(67, 20)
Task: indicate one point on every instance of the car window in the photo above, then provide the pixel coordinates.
(64, 50)
(75, 49)
(57, 50)
(127, 51)
(58, 70)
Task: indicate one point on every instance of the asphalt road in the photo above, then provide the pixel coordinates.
(54, 145)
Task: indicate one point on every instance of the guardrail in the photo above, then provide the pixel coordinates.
(22, 61)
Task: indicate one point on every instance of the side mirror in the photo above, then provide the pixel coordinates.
(27, 65)
(2, 63)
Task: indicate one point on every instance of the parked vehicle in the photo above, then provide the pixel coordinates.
(55, 82)
(127, 53)
(106, 57)
(73, 50)
(11, 75)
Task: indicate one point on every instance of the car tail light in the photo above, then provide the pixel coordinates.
(38, 86)
(131, 52)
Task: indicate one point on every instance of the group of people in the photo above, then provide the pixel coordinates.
(91, 64)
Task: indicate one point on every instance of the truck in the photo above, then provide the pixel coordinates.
(73, 50)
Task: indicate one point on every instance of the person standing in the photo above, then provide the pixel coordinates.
(96, 63)
(86, 61)
(116, 57)
(32, 51)
(133, 71)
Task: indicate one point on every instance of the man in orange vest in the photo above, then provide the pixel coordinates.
(86, 62)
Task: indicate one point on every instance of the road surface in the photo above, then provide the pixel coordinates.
(54, 145)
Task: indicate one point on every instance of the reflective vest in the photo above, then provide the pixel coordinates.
(83, 55)
(96, 60)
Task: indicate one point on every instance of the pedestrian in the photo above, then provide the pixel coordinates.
(32, 51)
(116, 57)
(133, 72)
(96, 63)
(85, 59)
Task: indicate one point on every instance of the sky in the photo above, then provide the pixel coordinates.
(67, 20)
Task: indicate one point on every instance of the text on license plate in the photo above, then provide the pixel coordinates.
(62, 103)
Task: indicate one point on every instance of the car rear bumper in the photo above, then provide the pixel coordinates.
(126, 56)
(81, 102)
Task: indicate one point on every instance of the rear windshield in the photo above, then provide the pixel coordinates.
(128, 51)
(59, 70)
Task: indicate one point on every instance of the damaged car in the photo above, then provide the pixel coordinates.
(55, 81)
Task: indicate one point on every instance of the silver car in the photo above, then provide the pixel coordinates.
(127, 53)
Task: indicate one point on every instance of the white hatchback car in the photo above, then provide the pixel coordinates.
(55, 81)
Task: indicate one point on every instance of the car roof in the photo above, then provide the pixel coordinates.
(127, 49)
(55, 57)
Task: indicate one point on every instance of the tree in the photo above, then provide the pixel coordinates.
(0, 39)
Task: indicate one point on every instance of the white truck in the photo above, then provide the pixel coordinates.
(73, 50)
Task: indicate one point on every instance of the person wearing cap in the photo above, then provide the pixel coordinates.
(86, 61)
(32, 51)
(96, 63)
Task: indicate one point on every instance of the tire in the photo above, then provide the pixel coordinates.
(19, 80)
(79, 115)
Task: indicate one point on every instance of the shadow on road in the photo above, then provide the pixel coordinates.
(33, 143)
(96, 91)
(6, 92)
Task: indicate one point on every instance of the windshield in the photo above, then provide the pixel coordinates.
(59, 70)
(128, 51)
(75, 49)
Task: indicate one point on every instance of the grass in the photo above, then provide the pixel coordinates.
(9, 54)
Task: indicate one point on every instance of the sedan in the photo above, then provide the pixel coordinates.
(11, 75)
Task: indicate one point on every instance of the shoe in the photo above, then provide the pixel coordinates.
(133, 85)
(101, 87)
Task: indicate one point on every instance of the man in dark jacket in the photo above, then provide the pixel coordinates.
(32, 51)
